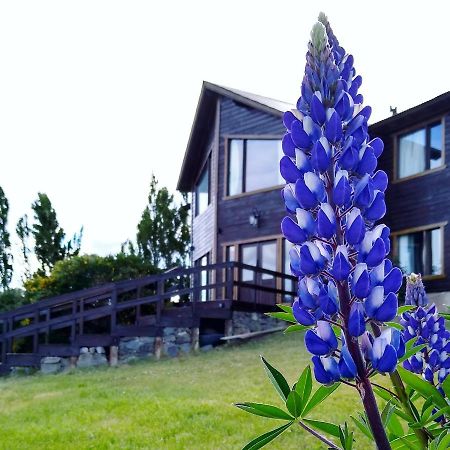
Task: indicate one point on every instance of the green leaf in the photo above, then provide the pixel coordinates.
(445, 411)
(287, 317)
(446, 386)
(405, 308)
(424, 388)
(362, 425)
(394, 325)
(404, 442)
(277, 379)
(444, 443)
(445, 316)
(265, 438)
(260, 409)
(304, 385)
(395, 427)
(294, 404)
(319, 396)
(294, 328)
(285, 308)
(411, 351)
(326, 427)
(387, 413)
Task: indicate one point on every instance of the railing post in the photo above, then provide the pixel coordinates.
(113, 310)
(159, 304)
(36, 333)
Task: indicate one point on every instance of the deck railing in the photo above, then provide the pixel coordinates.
(145, 305)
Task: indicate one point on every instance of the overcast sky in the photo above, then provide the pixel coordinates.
(97, 95)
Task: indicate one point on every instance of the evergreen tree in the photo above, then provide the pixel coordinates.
(23, 232)
(163, 232)
(6, 267)
(49, 237)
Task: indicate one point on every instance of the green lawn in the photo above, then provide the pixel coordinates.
(181, 403)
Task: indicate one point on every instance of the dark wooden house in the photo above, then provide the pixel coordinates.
(230, 167)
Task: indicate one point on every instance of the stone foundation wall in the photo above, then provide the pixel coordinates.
(248, 322)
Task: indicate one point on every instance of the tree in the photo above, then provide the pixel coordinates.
(49, 237)
(23, 232)
(6, 267)
(163, 232)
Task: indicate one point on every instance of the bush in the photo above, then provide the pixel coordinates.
(81, 272)
(11, 299)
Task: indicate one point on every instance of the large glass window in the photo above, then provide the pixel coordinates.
(260, 254)
(253, 164)
(420, 150)
(202, 197)
(421, 252)
(203, 276)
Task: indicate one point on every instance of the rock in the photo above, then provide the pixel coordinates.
(91, 360)
(185, 348)
(171, 350)
(50, 368)
(84, 350)
(92, 350)
(206, 348)
(100, 350)
(183, 338)
(51, 360)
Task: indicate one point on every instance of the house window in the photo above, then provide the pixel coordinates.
(420, 150)
(253, 165)
(421, 251)
(202, 197)
(203, 277)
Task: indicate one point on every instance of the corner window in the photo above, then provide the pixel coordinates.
(420, 150)
(253, 165)
(420, 252)
(202, 197)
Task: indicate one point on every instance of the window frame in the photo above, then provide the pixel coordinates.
(441, 226)
(422, 125)
(244, 137)
(206, 166)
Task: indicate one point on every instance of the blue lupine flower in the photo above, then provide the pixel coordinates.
(386, 349)
(321, 341)
(326, 369)
(425, 324)
(334, 196)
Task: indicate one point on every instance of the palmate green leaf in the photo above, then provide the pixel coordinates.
(346, 437)
(319, 396)
(265, 438)
(362, 427)
(405, 442)
(294, 404)
(277, 379)
(304, 385)
(445, 316)
(260, 409)
(425, 389)
(405, 308)
(386, 396)
(326, 427)
(443, 411)
(295, 328)
(281, 315)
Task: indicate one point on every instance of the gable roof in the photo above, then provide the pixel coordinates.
(204, 120)
(414, 115)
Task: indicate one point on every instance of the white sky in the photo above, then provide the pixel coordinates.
(97, 95)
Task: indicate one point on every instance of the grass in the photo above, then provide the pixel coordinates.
(182, 403)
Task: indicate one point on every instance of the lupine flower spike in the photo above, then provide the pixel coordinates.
(334, 195)
(425, 324)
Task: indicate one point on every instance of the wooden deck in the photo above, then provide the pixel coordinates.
(100, 316)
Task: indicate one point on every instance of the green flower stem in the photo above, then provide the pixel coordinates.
(400, 390)
(326, 441)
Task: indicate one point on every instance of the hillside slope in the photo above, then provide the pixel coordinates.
(181, 403)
